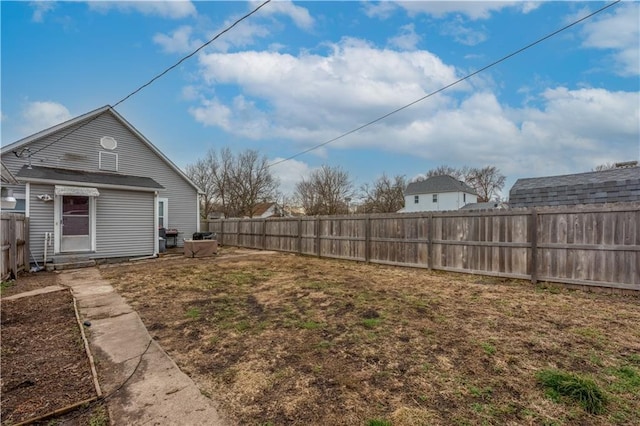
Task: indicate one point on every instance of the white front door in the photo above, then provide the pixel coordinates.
(75, 223)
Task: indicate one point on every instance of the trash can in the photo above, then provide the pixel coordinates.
(162, 245)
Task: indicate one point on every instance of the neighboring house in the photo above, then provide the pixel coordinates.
(95, 186)
(264, 210)
(437, 193)
(607, 186)
(491, 205)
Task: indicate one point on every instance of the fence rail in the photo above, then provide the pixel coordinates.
(15, 245)
(589, 245)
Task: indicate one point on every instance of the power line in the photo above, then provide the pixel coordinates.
(468, 76)
(227, 29)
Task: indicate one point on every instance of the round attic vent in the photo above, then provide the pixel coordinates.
(107, 142)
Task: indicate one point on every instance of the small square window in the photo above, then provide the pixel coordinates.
(435, 198)
(416, 199)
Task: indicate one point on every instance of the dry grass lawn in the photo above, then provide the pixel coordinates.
(281, 339)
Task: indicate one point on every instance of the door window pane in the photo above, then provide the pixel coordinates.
(75, 225)
(75, 205)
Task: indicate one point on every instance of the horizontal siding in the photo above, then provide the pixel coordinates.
(40, 221)
(80, 151)
(125, 224)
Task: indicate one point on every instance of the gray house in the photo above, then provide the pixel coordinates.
(608, 186)
(95, 186)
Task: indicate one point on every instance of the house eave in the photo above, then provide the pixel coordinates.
(89, 184)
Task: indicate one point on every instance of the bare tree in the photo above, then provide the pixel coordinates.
(251, 183)
(325, 192)
(487, 181)
(386, 195)
(234, 183)
(604, 166)
(201, 173)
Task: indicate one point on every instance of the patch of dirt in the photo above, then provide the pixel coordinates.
(288, 339)
(29, 281)
(44, 364)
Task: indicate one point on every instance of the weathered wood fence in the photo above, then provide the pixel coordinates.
(594, 246)
(15, 246)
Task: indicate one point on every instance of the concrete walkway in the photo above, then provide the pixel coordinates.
(149, 387)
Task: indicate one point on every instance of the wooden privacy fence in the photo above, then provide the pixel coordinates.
(596, 246)
(15, 247)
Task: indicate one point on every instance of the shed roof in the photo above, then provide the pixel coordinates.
(438, 184)
(37, 173)
(613, 175)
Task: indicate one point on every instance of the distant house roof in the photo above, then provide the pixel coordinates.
(438, 184)
(607, 186)
(491, 205)
(82, 178)
(262, 208)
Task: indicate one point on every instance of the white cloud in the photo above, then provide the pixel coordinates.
(40, 115)
(407, 39)
(179, 41)
(618, 31)
(299, 15)
(463, 34)
(472, 9)
(41, 8)
(290, 173)
(382, 9)
(172, 9)
(309, 95)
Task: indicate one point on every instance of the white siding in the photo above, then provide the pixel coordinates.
(446, 201)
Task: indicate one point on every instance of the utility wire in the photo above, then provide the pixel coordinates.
(468, 76)
(150, 82)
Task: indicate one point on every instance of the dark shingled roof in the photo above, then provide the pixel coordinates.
(66, 175)
(607, 186)
(438, 184)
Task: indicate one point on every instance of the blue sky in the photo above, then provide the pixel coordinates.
(297, 74)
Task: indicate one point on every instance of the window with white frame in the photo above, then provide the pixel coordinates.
(416, 199)
(163, 213)
(435, 198)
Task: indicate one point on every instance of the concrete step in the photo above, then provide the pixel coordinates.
(62, 262)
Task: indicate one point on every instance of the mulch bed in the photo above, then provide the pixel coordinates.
(44, 364)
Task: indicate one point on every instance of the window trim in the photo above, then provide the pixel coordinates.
(416, 199)
(435, 198)
(165, 215)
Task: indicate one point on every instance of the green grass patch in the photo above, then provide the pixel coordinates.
(627, 379)
(5, 285)
(488, 348)
(193, 313)
(371, 322)
(583, 390)
(311, 325)
(378, 422)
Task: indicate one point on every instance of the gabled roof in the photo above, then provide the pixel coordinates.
(607, 186)
(438, 184)
(88, 117)
(262, 208)
(37, 173)
(613, 175)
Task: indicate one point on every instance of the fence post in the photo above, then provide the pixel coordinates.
(367, 239)
(533, 226)
(25, 247)
(264, 234)
(238, 233)
(430, 241)
(300, 235)
(13, 249)
(318, 236)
